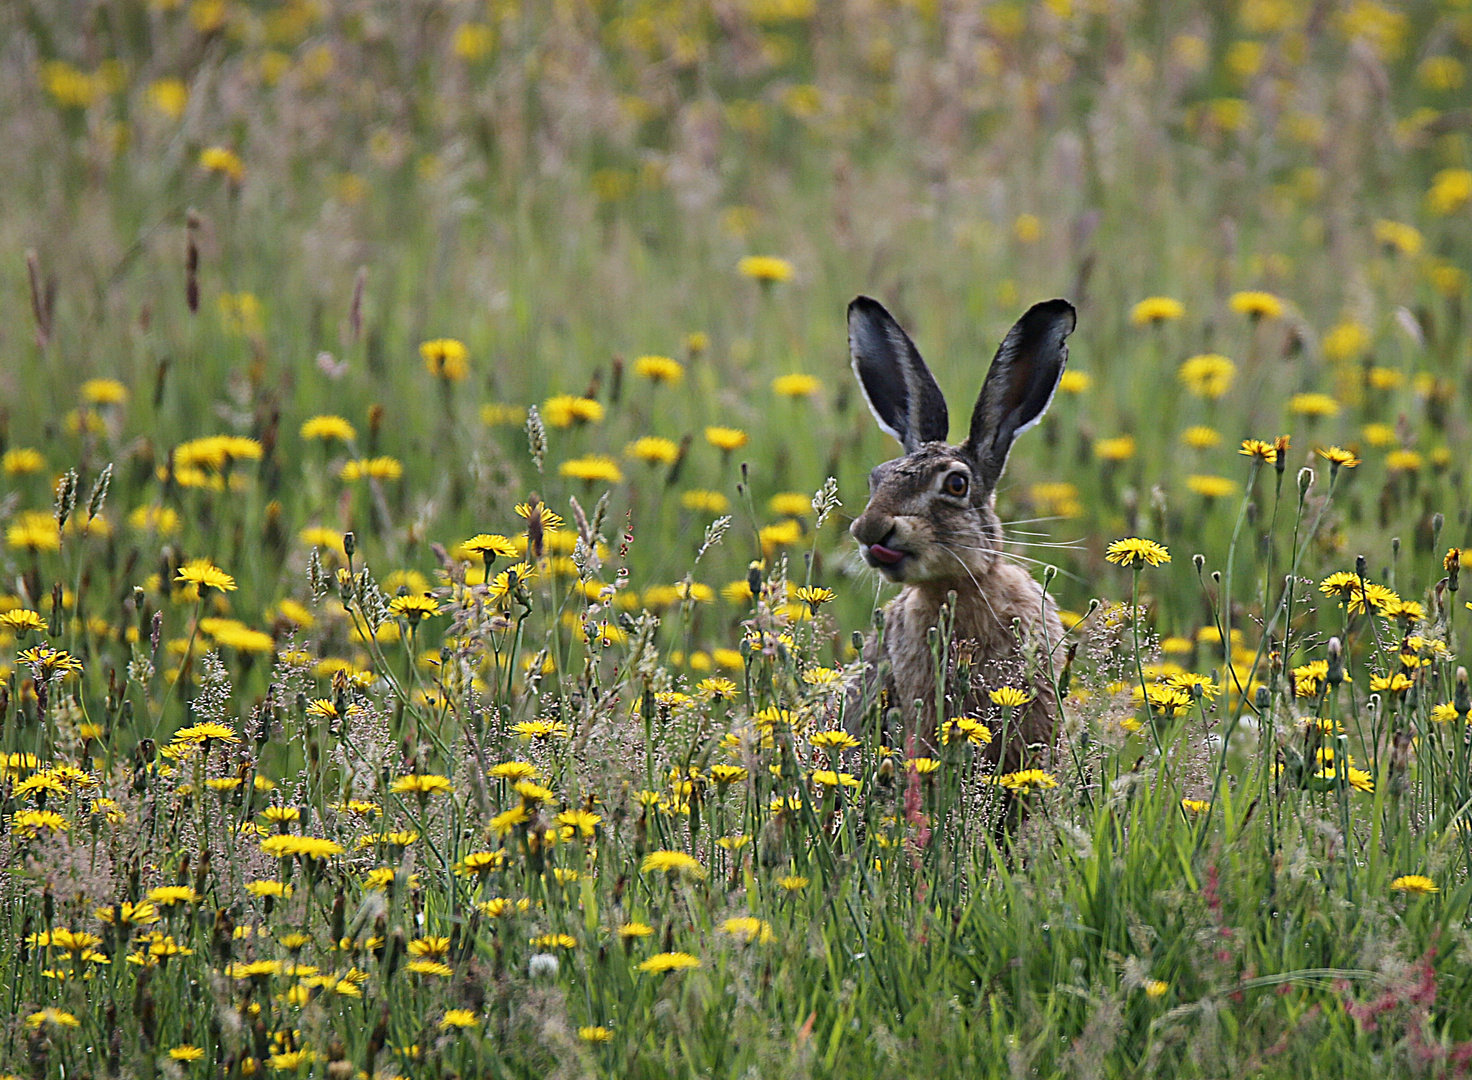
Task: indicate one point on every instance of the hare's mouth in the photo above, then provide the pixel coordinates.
(886, 559)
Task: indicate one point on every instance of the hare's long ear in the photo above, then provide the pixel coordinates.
(1020, 385)
(898, 386)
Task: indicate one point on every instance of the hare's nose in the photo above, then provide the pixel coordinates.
(870, 529)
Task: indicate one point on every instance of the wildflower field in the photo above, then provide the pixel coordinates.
(428, 620)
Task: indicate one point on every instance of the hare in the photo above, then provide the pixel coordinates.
(931, 525)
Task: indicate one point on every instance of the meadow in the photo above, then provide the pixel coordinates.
(427, 446)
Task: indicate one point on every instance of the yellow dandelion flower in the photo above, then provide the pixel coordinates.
(659, 369)
(1262, 451)
(1346, 340)
(458, 1018)
(1010, 696)
(1403, 461)
(1201, 437)
(53, 1017)
(789, 504)
(795, 386)
(1313, 405)
(667, 962)
(749, 929)
(422, 784)
(564, 410)
(1338, 457)
(1256, 304)
(705, 502)
(326, 427)
(1414, 883)
(413, 608)
(1208, 375)
(32, 530)
(219, 159)
(674, 863)
(592, 468)
(1451, 189)
(22, 461)
(653, 449)
(1211, 487)
(446, 358)
(1134, 549)
(765, 268)
(1154, 310)
(1115, 448)
(1026, 781)
(375, 468)
(1075, 382)
(726, 438)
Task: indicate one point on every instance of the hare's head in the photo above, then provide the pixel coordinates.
(931, 514)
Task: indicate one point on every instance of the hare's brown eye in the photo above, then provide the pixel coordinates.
(955, 484)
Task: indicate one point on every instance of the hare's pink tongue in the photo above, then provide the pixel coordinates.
(888, 556)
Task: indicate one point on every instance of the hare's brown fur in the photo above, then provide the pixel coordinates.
(931, 525)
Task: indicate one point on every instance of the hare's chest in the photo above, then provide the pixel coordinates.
(992, 649)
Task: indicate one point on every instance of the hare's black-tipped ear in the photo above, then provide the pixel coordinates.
(1020, 385)
(898, 386)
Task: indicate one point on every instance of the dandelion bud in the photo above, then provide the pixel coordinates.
(349, 544)
(1280, 454)
(1438, 520)
(191, 261)
(1305, 481)
(886, 772)
(1462, 698)
(147, 1019)
(1199, 561)
(754, 578)
(534, 533)
(1335, 674)
(1049, 573)
(344, 585)
(857, 640)
(42, 298)
(1452, 564)
(355, 308)
(1261, 698)
(1361, 566)
(616, 383)
(1066, 675)
(375, 426)
(395, 953)
(378, 1038)
(54, 624)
